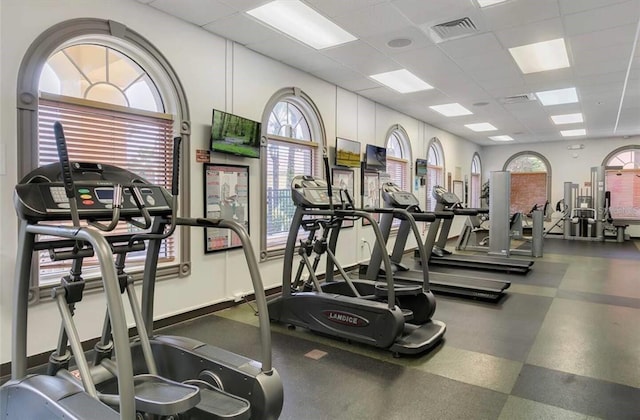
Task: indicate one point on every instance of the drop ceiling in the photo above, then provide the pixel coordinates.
(475, 70)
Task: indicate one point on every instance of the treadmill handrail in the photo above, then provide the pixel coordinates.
(416, 232)
(120, 331)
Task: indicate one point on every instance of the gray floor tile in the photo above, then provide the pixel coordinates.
(578, 393)
(523, 409)
(590, 339)
(506, 330)
(599, 298)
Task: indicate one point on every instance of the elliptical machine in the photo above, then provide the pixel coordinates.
(377, 313)
(172, 374)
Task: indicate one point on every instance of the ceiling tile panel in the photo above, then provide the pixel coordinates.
(602, 18)
(545, 30)
(516, 13)
(418, 39)
(241, 28)
(367, 22)
(199, 12)
(361, 57)
(420, 11)
(471, 45)
(603, 39)
(331, 8)
(572, 6)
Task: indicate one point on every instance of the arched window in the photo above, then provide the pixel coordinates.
(622, 171)
(530, 181)
(398, 157)
(118, 100)
(435, 170)
(295, 137)
(476, 181)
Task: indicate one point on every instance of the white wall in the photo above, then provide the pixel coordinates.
(566, 165)
(215, 74)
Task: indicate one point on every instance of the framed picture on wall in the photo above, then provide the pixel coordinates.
(458, 189)
(370, 193)
(343, 180)
(226, 196)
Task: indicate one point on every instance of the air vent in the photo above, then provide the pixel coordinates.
(454, 29)
(518, 99)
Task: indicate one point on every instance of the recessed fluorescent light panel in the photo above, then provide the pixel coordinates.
(451, 110)
(573, 133)
(402, 81)
(541, 56)
(501, 138)
(485, 3)
(301, 22)
(567, 118)
(558, 96)
(480, 127)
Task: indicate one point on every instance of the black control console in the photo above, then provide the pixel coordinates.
(397, 198)
(310, 192)
(41, 194)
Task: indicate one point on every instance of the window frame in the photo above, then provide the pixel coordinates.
(318, 140)
(472, 192)
(608, 167)
(397, 133)
(122, 38)
(435, 144)
(541, 158)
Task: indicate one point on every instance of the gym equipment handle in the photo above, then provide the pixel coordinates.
(175, 178)
(63, 154)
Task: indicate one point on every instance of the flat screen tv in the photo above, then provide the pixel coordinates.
(376, 158)
(347, 153)
(235, 135)
(421, 167)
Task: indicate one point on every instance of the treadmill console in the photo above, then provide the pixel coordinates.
(445, 197)
(394, 197)
(310, 192)
(41, 194)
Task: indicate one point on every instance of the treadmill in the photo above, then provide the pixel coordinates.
(443, 283)
(438, 234)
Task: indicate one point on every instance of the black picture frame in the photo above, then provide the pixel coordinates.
(226, 196)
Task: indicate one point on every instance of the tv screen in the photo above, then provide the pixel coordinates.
(347, 153)
(421, 167)
(376, 158)
(235, 135)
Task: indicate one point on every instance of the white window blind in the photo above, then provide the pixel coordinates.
(434, 177)
(285, 160)
(475, 191)
(138, 141)
(624, 186)
(397, 170)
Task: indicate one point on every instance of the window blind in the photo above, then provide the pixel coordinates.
(397, 170)
(285, 160)
(624, 186)
(141, 143)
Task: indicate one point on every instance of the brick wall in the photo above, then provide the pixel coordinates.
(527, 189)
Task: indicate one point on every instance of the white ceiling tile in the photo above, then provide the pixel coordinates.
(602, 18)
(279, 47)
(572, 6)
(366, 22)
(601, 67)
(420, 11)
(361, 57)
(418, 40)
(244, 5)
(358, 84)
(602, 39)
(241, 28)
(517, 13)
(310, 61)
(330, 8)
(545, 30)
(199, 12)
(471, 45)
(336, 73)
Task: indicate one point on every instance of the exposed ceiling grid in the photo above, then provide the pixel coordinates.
(599, 36)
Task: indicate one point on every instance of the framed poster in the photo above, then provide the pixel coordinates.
(226, 196)
(458, 189)
(370, 193)
(343, 179)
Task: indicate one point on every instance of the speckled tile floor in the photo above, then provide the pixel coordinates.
(563, 344)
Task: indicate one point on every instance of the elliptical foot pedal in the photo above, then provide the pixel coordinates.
(381, 289)
(161, 396)
(218, 404)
